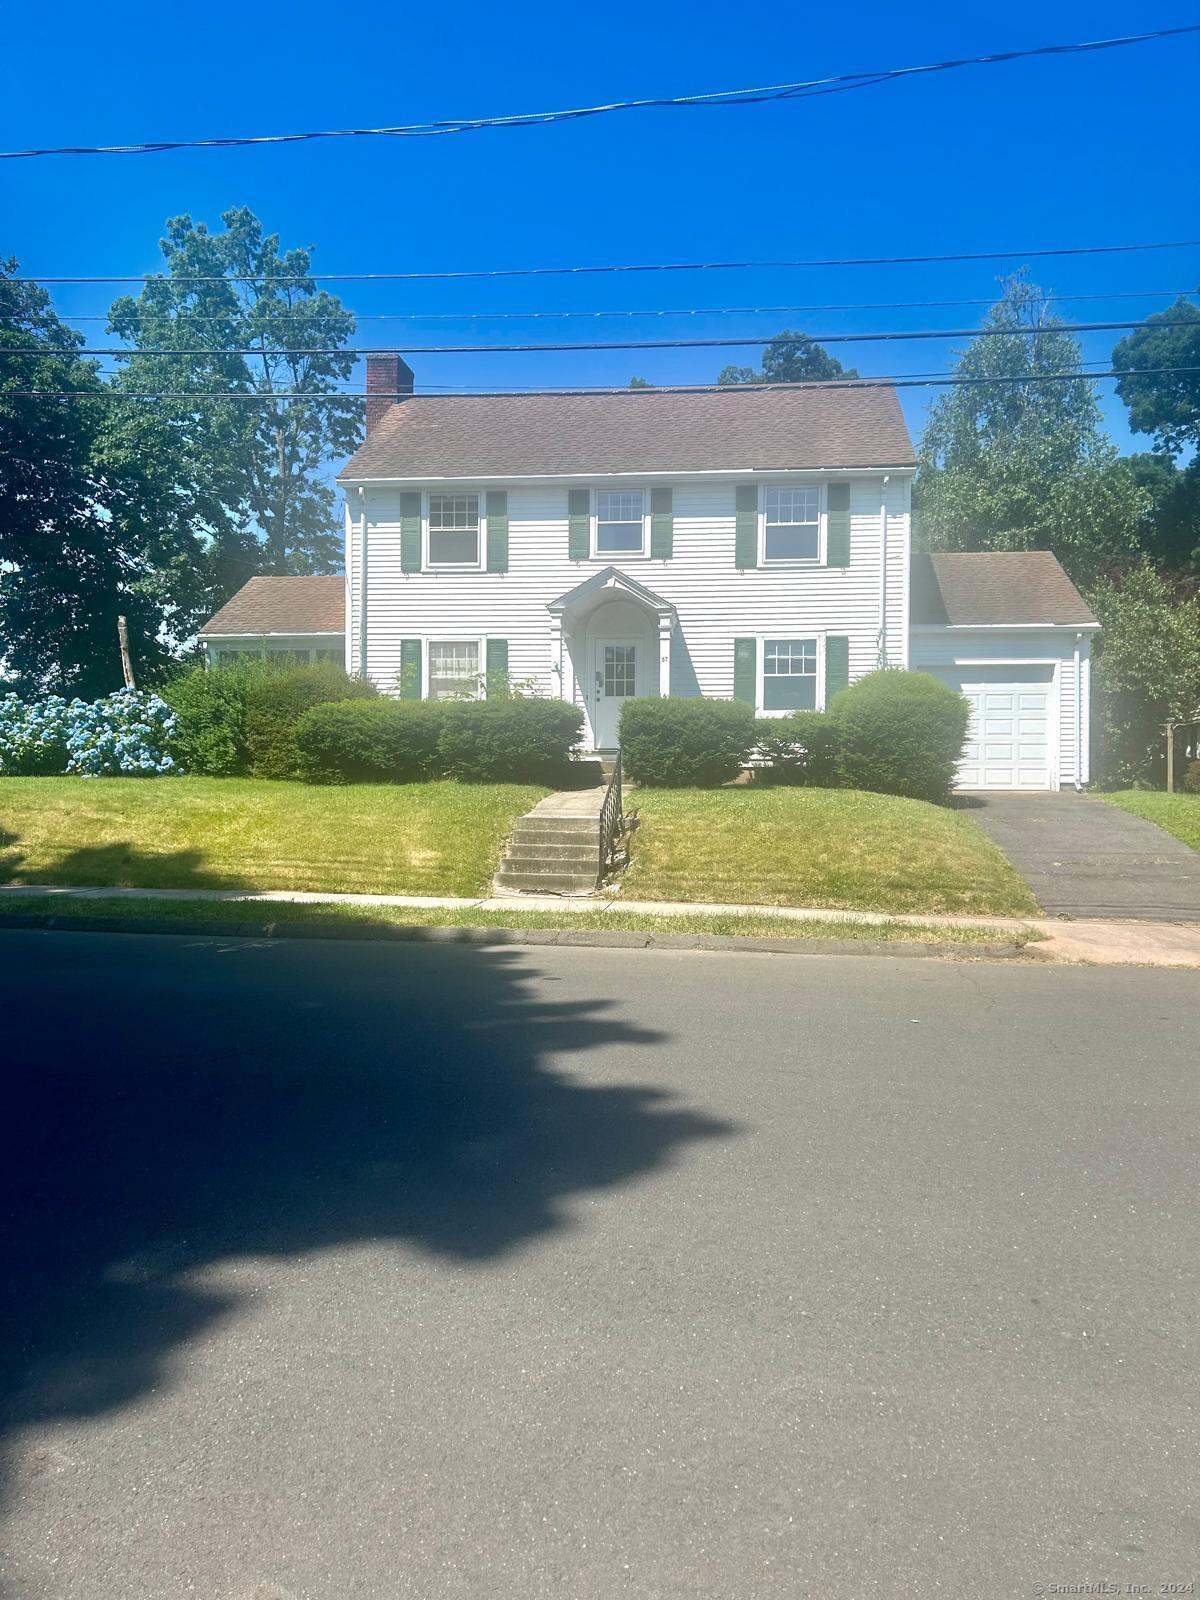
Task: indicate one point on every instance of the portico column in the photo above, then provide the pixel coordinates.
(556, 657)
(664, 655)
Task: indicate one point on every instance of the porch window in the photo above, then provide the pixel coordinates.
(789, 675)
(454, 669)
(620, 522)
(792, 524)
(453, 530)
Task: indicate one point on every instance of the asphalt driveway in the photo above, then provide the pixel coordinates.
(383, 1271)
(1083, 858)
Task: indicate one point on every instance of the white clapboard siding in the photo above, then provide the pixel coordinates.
(715, 602)
(952, 652)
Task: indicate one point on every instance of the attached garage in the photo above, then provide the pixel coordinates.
(1011, 632)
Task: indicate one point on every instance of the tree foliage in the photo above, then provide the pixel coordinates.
(249, 472)
(1161, 402)
(1147, 670)
(70, 554)
(789, 358)
(1025, 465)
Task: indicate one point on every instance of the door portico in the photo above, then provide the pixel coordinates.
(610, 641)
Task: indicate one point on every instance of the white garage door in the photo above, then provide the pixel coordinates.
(1010, 740)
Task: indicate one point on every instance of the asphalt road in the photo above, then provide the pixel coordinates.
(338, 1272)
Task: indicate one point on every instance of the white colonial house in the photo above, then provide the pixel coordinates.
(747, 541)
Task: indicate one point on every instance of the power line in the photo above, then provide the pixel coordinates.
(655, 266)
(944, 381)
(837, 83)
(675, 311)
(750, 341)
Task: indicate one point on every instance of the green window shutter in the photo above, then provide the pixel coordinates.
(745, 670)
(411, 687)
(497, 530)
(837, 664)
(837, 525)
(745, 542)
(410, 531)
(497, 665)
(662, 524)
(579, 524)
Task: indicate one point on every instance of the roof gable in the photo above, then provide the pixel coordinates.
(991, 588)
(739, 428)
(282, 605)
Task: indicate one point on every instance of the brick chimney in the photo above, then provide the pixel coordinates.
(388, 377)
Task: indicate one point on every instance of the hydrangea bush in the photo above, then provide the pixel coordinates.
(129, 732)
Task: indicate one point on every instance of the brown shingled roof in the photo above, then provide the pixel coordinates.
(991, 587)
(282, 605)
(739, 428)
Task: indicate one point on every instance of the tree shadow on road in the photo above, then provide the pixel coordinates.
(172, 1103)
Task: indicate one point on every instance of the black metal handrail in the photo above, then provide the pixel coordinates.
(612, 821)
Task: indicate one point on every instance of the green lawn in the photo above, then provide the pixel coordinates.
(817, 847)
(233, 833)
(754, 924)
(1177, 813)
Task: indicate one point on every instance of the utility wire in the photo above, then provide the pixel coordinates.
(656, 266)
(837, 83)
(675, 311)
(750, 341)
(947, 381)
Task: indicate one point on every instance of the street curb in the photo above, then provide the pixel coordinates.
(608, 938)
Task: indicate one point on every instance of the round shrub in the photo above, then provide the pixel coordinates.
(900, 733)
(275, 697)
(239, 718)
(507, 740)
(210, 705)
(33, 736)
(685, 743)
(368, 741)
(801, 748)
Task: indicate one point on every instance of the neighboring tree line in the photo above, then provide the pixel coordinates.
(1027, 465)
(110, 504)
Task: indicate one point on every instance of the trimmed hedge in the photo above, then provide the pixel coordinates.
(507, 740)
(801, 748)
(685, 743)
(240, 718)
(900, 733)
(368, 741)
(399, 741)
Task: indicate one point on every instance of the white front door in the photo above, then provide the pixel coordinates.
(1009, 740)
(618, 667)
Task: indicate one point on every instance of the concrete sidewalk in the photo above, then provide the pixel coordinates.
(1098, 942)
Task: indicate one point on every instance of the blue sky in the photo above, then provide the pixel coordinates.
(1095, 149)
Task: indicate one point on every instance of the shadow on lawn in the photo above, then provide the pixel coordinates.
(171, 1103)
(119, 864)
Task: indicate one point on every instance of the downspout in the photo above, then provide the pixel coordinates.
(362, 585)
(883, 561)
(1078, 717)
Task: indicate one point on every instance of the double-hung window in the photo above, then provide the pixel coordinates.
(453, 530)
(620, 522)
(454, 669)
(789, 675)
(791, 524)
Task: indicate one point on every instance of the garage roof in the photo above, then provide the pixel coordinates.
(282, 605)
(988, 588)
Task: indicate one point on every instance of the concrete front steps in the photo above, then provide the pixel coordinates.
(555, 848)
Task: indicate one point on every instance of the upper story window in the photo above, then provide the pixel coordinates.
(453, 530)
(620, 522)
(791, 524)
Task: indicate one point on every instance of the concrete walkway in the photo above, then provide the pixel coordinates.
(1084, 858)
(1106, 943)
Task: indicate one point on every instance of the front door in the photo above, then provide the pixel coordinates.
(616, 680)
